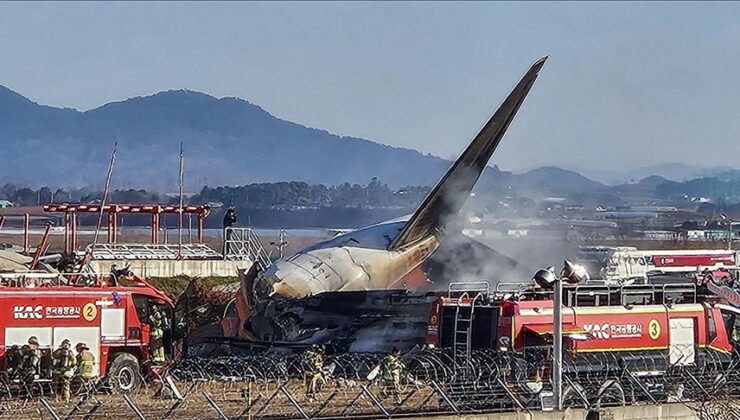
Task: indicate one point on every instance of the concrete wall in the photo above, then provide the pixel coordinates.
(171, 268)
(633, 412)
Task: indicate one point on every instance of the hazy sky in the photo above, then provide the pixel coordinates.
(626, 85)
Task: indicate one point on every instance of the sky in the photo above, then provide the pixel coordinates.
(627, 85)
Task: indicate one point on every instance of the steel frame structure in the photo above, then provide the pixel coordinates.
(71, 210)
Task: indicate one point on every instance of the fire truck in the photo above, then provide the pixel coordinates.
(608, 328)
(630, 263)
(108, 313)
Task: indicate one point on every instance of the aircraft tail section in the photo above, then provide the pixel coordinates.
(452, 190)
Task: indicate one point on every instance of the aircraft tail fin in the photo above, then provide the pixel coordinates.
(450, 193)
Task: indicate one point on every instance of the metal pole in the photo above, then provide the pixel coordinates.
(26, 228)
(41, 247)
(73, 235)
(557, 345)
(190, 228)
(50, 409)
(200, 227)
(729, 234)
(105, 195)
(115, 224)
(111, 227)
(67, 242)
(180, 209)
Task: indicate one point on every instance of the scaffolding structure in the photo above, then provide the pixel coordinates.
(71, 210)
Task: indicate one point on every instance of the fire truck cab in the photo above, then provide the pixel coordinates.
(109, 314)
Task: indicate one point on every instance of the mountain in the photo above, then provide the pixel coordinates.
(228, 141)
(556, 180)
(669, 171)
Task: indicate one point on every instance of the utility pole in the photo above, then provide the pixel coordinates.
(180, 208)
(557, 345)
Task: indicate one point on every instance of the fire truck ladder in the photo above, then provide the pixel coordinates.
(464, 315)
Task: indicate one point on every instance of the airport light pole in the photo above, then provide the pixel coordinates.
(557, 345)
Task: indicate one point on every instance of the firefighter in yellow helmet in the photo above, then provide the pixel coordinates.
(313, 366)
(64, 368)
(28, 369)
(156, 335)
(391, 369)
(85, 362)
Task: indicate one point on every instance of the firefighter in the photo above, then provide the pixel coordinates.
(13, 361)
(29, 368)
(156, 335)
(33, 342)
(230, 217)
(391, 369)
(313, 366)
(64, 368)
(46, 364)
(229, 221)
(85, 367)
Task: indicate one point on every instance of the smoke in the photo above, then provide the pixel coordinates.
(463, 259)
(498, 257)
(460, 258)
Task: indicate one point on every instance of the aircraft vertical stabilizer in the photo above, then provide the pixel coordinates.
(450, 193)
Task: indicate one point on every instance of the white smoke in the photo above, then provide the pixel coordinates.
(463, 259)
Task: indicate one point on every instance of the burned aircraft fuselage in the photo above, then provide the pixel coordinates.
(352, 321)
(351, 262)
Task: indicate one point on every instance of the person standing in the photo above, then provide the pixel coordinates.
(391, 369)
(14, 361)
(313, 365)
(156, 335)
(85, 362)
(28, 370)
(229, 221)
(64, 367)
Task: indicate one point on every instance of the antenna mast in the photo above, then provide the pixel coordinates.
(105, 195)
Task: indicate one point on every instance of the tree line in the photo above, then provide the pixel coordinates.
(301, 195)
(276, 195)
(277, 204)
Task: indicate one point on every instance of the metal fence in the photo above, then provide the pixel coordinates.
(273, 387)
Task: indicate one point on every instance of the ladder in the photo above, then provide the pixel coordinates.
(244, 244)
(462, 335)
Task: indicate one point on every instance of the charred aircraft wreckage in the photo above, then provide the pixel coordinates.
(368, 289)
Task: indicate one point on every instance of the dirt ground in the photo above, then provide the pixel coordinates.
(234, 399)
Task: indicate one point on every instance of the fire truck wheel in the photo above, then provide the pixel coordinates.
(124, 373)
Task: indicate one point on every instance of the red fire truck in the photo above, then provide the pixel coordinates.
(643, 328)
(630, 263)
(110, 317)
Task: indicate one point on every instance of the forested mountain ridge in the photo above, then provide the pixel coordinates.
(228, 141)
